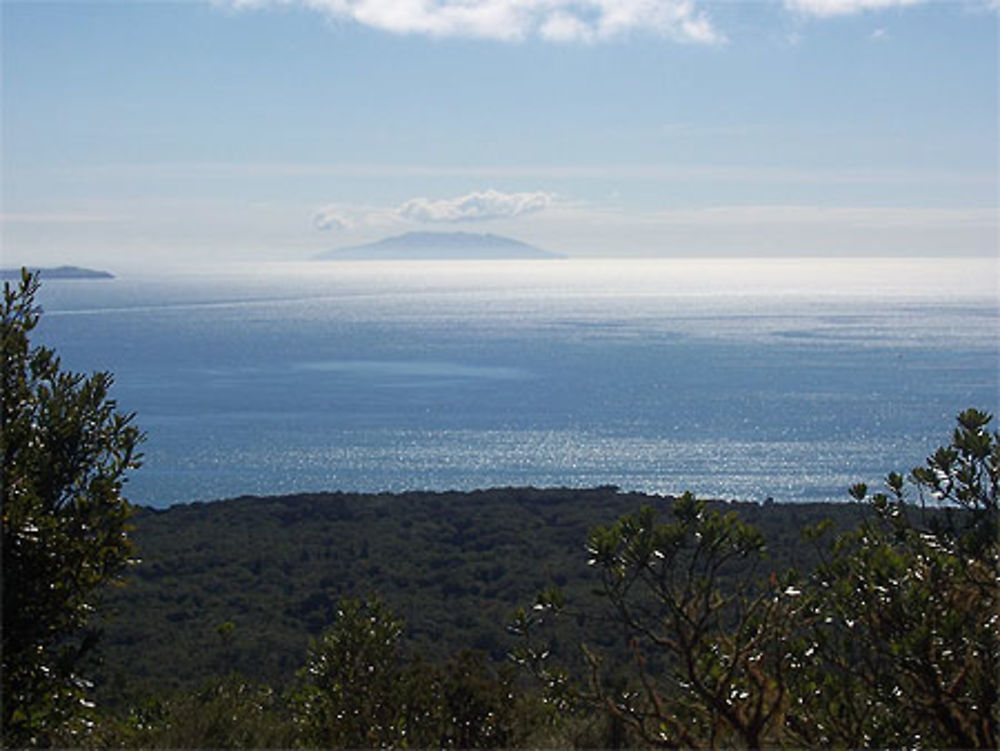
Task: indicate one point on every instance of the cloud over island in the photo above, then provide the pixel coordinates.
(478, 206)
(481, 206)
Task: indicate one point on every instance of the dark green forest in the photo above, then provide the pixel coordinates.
(229, 607)
(455, 566)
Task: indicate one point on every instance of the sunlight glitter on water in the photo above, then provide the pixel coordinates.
(779, 378)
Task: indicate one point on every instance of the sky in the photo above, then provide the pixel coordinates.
(157, 133)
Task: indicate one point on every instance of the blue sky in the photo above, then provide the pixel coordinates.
(144, 132)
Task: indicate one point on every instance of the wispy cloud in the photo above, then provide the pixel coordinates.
(488, 204)
(56, 218)
(561, 21)
(858, 217)
(834, 8)
(517, 20)
(719, 173)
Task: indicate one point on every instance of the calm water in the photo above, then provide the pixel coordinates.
(736, 379)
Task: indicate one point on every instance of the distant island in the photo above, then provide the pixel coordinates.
(59, 272)
(432, 246)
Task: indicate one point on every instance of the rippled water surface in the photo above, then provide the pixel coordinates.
(743, 379)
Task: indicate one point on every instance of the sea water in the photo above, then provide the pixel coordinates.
(750, 378)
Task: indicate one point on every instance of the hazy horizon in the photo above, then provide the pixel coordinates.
(148, 134)
(960, 277)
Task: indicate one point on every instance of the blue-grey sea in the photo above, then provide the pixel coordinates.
(750, 378)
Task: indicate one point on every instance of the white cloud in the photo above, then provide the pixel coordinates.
(489, 204)
(332, 218)
(564, 27)
(831, 8)
(515, 20)
(477, 206)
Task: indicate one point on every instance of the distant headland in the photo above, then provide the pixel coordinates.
(434, 246)
(59, 272)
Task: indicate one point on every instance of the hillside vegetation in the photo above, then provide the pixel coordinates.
(454, 565)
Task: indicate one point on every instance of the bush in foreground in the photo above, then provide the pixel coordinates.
(66, 450)
(891, 641)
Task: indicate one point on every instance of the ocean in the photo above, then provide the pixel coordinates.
(788, 379)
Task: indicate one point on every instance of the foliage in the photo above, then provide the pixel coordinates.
(891, 642)
(65, 450)
(452, 565)
(350, 678)
(357, 691)
(710, 644)
(225, 713)
(464, 703)
(907, 610)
